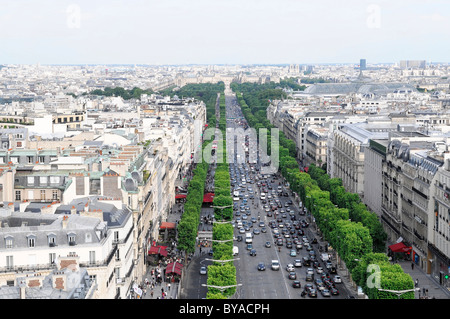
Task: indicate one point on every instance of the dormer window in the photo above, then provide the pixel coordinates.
(31, 240)
(9, 242)
(51, 240)
(72, 239)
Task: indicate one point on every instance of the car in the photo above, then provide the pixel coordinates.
(241, 230)
(268, 244)
(334, 291)
(325, 293)
(310, 271)
(275, 265)
(293, 253)
(210, 252)
(312, 293)
(319, 269)
(202, 270)
(252, 252)
(249, 246)
(279, 242)
(261, 266)
(256, 231)
(297, 263)
(337, 279)
(239, 238)
(309, 277)
(289, 267)
(296, 284)
(288, 244)
(292, 275)
(333, 270)
(263, 230)
(306, 261)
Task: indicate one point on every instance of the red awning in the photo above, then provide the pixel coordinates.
(161, 250)
(208, 198)
(306, 169)
(167, 225)
(178, 196)
(399, 248)
(174, 268)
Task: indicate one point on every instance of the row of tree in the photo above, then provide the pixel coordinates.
(134, 93)
(206, 92)
(222, 274)
(351, 239)
(344, 223)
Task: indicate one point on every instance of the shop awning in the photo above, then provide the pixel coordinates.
(167, 225)
(208, 197)
(399, 248)
(155, 250)
(174, 267)
(178, 196)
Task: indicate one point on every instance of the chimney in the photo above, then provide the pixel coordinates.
(23, 287)
(65, 221)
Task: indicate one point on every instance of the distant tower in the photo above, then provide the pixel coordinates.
(362, 64)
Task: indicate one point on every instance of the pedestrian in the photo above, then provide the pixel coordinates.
(151, 293)
(168, 287)
(417, 282)
(412, 266)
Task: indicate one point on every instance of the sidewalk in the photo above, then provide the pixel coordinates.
(425, 282)
(172, 291)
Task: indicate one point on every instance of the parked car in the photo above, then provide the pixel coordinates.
(202, 270)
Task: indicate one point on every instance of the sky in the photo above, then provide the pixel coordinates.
(162, 32)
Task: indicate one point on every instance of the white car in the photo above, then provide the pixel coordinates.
(290, 267)
(337, 279)
(275, 265)
(203, 270)
(297, 263)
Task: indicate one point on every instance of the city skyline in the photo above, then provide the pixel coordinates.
(219, 32)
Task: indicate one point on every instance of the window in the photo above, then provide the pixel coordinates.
(18, 195)
(52, 258)
(52, 240)
(30, 159)
(9, 262)
(42, 194)
(41, 159)
(30, 180)
(71, 238)
(31, 241)
(92, 257)
(43, 180)
(54, 179)
(9, 242)
(55, 194)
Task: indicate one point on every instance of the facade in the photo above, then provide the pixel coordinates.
(95, 234)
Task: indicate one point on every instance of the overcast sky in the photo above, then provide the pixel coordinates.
(223, 31)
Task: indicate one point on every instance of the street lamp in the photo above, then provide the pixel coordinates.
(399, 292)
(222, 208)
(221, 288)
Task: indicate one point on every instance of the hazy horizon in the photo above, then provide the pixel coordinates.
(231, 32)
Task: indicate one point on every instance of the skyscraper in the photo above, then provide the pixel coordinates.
(362, 64)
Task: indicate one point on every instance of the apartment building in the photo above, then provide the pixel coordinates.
(87, 233)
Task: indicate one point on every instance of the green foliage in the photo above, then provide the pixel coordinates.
(134, 93)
